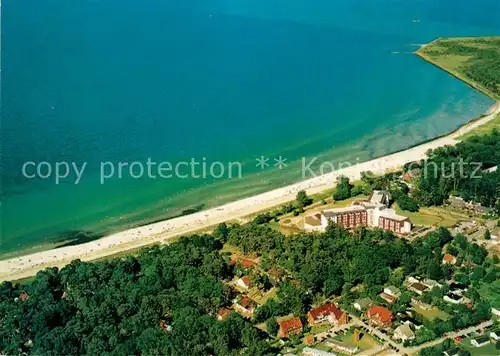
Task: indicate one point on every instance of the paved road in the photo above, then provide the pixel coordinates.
(452, 335)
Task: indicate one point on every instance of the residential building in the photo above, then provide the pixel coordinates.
(418, 288)
(480, 341)
(308, 351)
(452, 352)
(449, 259)
(404, 333)
(457, 288)
(244, 282)
(223, 314)
(495, 334)
(373, 213)
(341, 346)
(393, 291)
(380, 316)
(431, 283)
(326, 314)
(245, 306)
(362, 304)
(290, 327)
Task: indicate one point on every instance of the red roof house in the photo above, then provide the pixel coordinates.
(380, 315)
(244, 282)
(326, 314)
(290, 327)
(449, 259)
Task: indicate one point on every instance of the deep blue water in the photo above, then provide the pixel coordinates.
(92, 81)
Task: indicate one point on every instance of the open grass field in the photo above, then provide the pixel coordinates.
(469, 59)
(433, 216)
(431, 314)
(365, 343)
(488, 350)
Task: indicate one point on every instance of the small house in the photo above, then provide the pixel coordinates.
(495, 334)
(244, 282)
(362, 304)
(326, 314)
(380, 316)
(480, 341)
(404, 333)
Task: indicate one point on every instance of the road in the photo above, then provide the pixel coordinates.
(399, 348)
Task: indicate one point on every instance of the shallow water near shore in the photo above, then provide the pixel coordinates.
(228, 81)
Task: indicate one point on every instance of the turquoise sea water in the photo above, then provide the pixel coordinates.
(124, 81)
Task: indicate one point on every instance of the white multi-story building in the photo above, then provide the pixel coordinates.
(372, 213)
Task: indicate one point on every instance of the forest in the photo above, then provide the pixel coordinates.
(164, 300)
(461, 170)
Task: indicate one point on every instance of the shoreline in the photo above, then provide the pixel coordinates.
(163, 231)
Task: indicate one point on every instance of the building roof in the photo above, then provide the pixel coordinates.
(454, 296)
(348, 209)
(246, 302)
(495, 331)
(247, 263)
(419, 287)
(394, 290)
(246, 280)
(290, 325)
(318, 352)
(224, 313)
(482, 338)
(387, 297)
(452, 352)
(391, 215)
(326, 310)
(383, 314)
(363, 302)
(405, 330)
(380, 197)
(448, 258)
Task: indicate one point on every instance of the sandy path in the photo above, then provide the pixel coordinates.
(25, 266)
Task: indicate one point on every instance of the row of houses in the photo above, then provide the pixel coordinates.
(373, 213)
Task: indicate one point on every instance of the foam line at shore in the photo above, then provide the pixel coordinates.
(161, 232)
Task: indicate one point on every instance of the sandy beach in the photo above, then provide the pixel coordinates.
(161, 232)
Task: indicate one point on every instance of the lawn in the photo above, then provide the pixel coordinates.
(433, 216)
(488, 350)
(367, 341)
(431, 314)
(316, 329)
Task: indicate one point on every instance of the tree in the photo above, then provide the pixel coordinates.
(487, 234)
(343, 190)
(407, 203)
(302, 199)
(221, 232)
(272, 326)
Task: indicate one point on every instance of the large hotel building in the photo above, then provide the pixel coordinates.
(373, 213)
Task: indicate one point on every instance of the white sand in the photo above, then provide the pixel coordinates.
(161, 232)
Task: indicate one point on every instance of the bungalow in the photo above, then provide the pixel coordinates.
(290, 327)
(452, 352)
(362, 304)
(223, 314)
(457, 288)
(403, 332)
(380, 316)
(480, 341)
(431, 283)
(449, 259)
(342, 347)
(246, 306)
(393, 291)
(453, 298)
(495, 334)
(244, 282)
(326, 314)
(418, 288)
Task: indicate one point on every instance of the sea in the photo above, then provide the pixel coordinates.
(229, 98)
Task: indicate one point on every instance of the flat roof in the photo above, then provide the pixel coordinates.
(347, 209)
